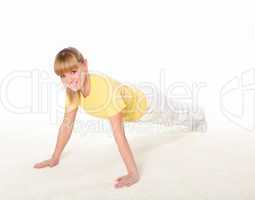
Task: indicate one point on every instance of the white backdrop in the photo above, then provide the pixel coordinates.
(133, 41)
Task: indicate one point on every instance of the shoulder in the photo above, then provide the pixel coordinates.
(103, 79)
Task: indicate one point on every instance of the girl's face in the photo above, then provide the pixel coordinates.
(74, 79)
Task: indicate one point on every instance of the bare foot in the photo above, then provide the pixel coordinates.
(47, 163)
(126, 180)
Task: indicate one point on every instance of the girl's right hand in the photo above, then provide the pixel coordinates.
(47, 163)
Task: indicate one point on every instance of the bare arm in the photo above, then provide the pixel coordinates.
(64, 134)
(123, 146)
(65, 131)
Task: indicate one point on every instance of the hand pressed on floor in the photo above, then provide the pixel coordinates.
(47, 163)
(126, 180)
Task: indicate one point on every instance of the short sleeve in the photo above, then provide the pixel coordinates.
(71, 105)
(116, 104)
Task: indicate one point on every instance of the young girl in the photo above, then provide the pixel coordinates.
(104, 97)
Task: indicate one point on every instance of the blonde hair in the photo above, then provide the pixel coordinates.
(66, 60)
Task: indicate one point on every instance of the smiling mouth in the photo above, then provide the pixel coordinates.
(75, 84)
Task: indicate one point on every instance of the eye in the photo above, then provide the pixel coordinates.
(73, 72)
(62, 76)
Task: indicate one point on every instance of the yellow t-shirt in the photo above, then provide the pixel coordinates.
(107, 97)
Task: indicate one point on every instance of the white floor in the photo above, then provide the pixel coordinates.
(215, 165)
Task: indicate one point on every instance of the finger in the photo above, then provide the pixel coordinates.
(119, 179)
(42, 164)
(118, 185)
(52, 164)
(122, 183)
(128, 184)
